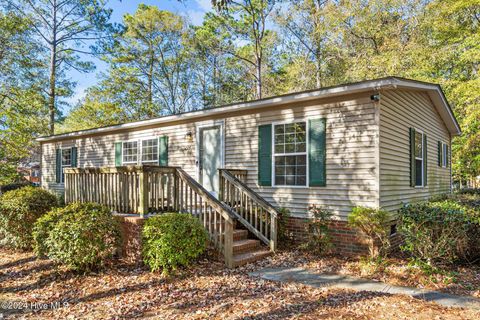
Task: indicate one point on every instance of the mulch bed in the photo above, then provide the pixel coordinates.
(206, 290)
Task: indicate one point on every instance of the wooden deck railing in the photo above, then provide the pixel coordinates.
(153, 189)
(256, 214)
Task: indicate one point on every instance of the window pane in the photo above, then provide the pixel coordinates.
(130, 151)
(300, 147)
(290, 139)
(279, 138)
(444, 155)
(418, 172)
(290, 148)
(301, 160)
(301, 181)
(66, 157)
(290, 180)
(290, 160)
(279, 180)
(280, 160)
(302, 170)
(279, 148)
(290, 170)
(150, 150)
(279, 170)
(418, 145)
(290, 128)
(279, 129)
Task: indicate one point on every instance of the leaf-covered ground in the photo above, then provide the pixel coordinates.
(207, 290)
(396, 270)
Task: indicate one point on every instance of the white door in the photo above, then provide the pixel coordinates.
(210, 158)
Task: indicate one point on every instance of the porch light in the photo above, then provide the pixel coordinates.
(189, 136)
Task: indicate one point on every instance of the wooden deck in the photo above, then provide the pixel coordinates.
(147, 190)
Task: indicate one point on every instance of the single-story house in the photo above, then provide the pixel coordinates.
(375, 143)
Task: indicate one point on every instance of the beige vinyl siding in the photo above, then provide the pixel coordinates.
(352, 137)
(350, 165)
(399, 111)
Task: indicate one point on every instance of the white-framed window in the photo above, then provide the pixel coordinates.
(149, 151)
(290, 154)
(419, 159)
(444, 155)
(140, 151)
(66, 162)
(130, 152)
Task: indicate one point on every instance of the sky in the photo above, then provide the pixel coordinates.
(194, 10)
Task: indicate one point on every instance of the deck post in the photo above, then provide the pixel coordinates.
(143, 193)
(228, 249)
(273, 233)
(221, 182)
(176, 193)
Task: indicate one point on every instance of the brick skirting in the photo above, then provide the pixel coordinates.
(131, 231)
(345, 240)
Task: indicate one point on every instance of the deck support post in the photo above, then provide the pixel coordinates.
(143, 193)
(228, 249)
(273, 234)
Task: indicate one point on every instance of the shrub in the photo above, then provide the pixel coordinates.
(440, 232)
(373, 224)
(319, 240)
(14, 186)
(283, 214)
(19, 209)
(171, 240)
(82, 236)
(471, 191)
(42, 228)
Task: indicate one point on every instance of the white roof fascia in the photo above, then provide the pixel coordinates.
(371, 85)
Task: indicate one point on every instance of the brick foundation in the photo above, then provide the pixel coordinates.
(345, 240)
(131, 231)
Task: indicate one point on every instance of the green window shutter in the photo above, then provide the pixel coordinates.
(163, 151)
(447, 155)
(412, 157)
(265, 155)
(425, 160)
(118, 154)
(440, 150)
(74, 157)
(58, 165)
(317, 152)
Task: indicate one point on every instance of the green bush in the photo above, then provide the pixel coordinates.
(171, 240)
(440, 232)
(282, 219)
(373, 223)
(82, 236)
(319, 240)
(14, 186)
(470, 191)
(42, 228)
(19, 209)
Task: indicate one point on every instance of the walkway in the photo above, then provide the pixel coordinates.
(308, 277)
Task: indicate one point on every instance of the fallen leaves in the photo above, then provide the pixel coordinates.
(204, 291)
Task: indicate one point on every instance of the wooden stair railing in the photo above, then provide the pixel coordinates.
(154, 189)
(253, 212)
(215, 216)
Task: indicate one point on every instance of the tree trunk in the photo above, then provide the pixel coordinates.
(53, 70)
(150, 86)
(318, 74)
(259, 78)
(51, 93)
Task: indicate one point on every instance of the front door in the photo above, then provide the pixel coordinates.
(210, 157)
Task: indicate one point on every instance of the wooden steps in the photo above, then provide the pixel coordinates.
(247, 250)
